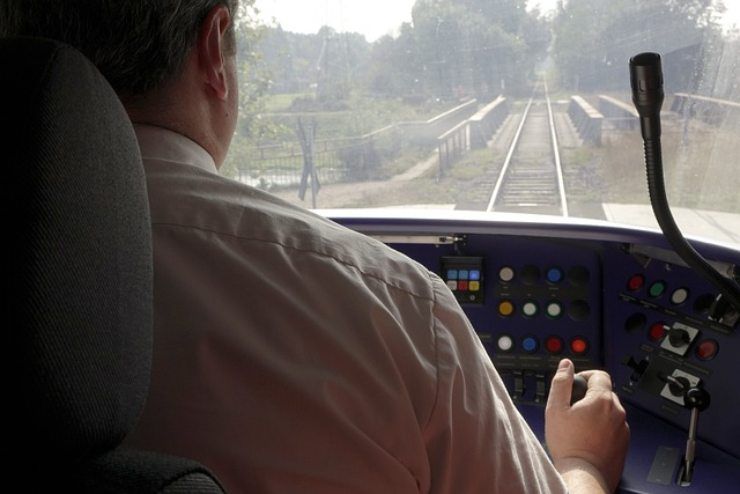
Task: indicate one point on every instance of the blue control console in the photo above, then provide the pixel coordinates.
(606, 297)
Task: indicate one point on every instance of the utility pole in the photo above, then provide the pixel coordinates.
(307, 137)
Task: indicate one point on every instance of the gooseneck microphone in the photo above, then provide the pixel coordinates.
(646, 78)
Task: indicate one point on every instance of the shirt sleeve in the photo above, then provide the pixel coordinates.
(476, 440)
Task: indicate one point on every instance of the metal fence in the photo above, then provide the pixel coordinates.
(348, 159)
(710, 110)
(471, 133)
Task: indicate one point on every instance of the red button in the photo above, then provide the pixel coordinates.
(462, 286)
(707, 350)
(657, 331)
(636, 282)
(578, 346)
(553, 344)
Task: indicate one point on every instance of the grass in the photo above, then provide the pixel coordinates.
(276, 103)
(473, 165)
(407, 159)
(700, 164)
(423, 190)
(700, 170)
(367, 114)
(364, 114)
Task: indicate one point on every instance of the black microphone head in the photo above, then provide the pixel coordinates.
(646, 78)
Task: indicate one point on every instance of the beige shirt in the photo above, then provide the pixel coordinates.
(295, 356)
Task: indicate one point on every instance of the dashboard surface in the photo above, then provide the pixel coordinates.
(607, 297)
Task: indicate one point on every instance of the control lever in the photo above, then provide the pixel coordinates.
(638, 368)
(697, 400)
(579, 389)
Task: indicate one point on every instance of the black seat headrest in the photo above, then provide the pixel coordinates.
(79, 347)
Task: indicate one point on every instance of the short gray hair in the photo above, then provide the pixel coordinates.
(138, 45)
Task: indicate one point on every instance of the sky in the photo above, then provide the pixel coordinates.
(373, 18)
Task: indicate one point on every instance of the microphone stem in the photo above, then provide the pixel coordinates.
(661, 209)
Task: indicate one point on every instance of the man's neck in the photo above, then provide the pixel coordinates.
(165, 108)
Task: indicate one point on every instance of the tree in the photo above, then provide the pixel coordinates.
(458, 48)
(595, 38)
(253, 84)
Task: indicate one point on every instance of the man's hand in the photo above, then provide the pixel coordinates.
(591, 437)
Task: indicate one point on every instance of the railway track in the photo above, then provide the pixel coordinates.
(531, 178)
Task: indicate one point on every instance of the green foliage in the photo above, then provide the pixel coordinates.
(326, 64)
(254, 83)
(474, 165)
(595, 38)
(453, 49)
(458, 48)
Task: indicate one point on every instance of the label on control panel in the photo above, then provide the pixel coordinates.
(664, 465)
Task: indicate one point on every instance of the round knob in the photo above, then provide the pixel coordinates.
(579, 389)
(679, 337)
(697, 398)
(678, 385)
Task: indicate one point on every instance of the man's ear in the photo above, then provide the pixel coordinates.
(211, 45)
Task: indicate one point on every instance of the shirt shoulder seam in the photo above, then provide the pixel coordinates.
(344, 262)
(435, 338)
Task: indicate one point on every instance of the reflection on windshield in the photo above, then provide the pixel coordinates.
(488, 105)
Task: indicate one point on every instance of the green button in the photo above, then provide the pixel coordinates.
(657, 289)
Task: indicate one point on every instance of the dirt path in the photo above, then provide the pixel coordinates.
(357, 194)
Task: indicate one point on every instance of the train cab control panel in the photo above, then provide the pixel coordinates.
(606, 297)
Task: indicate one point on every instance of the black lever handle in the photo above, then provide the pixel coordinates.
(579, 389)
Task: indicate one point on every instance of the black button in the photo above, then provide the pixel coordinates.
(579, 276)
(530, 274)
(703, 303)
(579, 310)
(635, 322)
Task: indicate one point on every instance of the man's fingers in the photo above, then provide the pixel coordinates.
(562, 385)
(598, 380)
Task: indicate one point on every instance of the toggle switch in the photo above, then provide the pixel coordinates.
(540, 391)
(679, 339)
(519, 387)
(638, 368)
(677, 384)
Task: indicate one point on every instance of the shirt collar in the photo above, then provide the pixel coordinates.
(158, 143)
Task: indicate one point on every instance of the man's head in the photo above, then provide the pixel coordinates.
(172, 62)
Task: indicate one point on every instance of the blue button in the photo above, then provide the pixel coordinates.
(529, 344)
(554, 275)
(452, 274)
(464, 274)
(475, 275)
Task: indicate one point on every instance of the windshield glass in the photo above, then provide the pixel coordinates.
(491, 106)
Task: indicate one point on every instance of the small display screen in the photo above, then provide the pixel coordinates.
(464, 277)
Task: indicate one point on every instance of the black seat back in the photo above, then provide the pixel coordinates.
(79, 277)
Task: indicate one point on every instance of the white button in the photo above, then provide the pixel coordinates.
(506, 274)
(554, 309)
(505, 343)
(452, 284)
(679, 296)
(529, 309)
